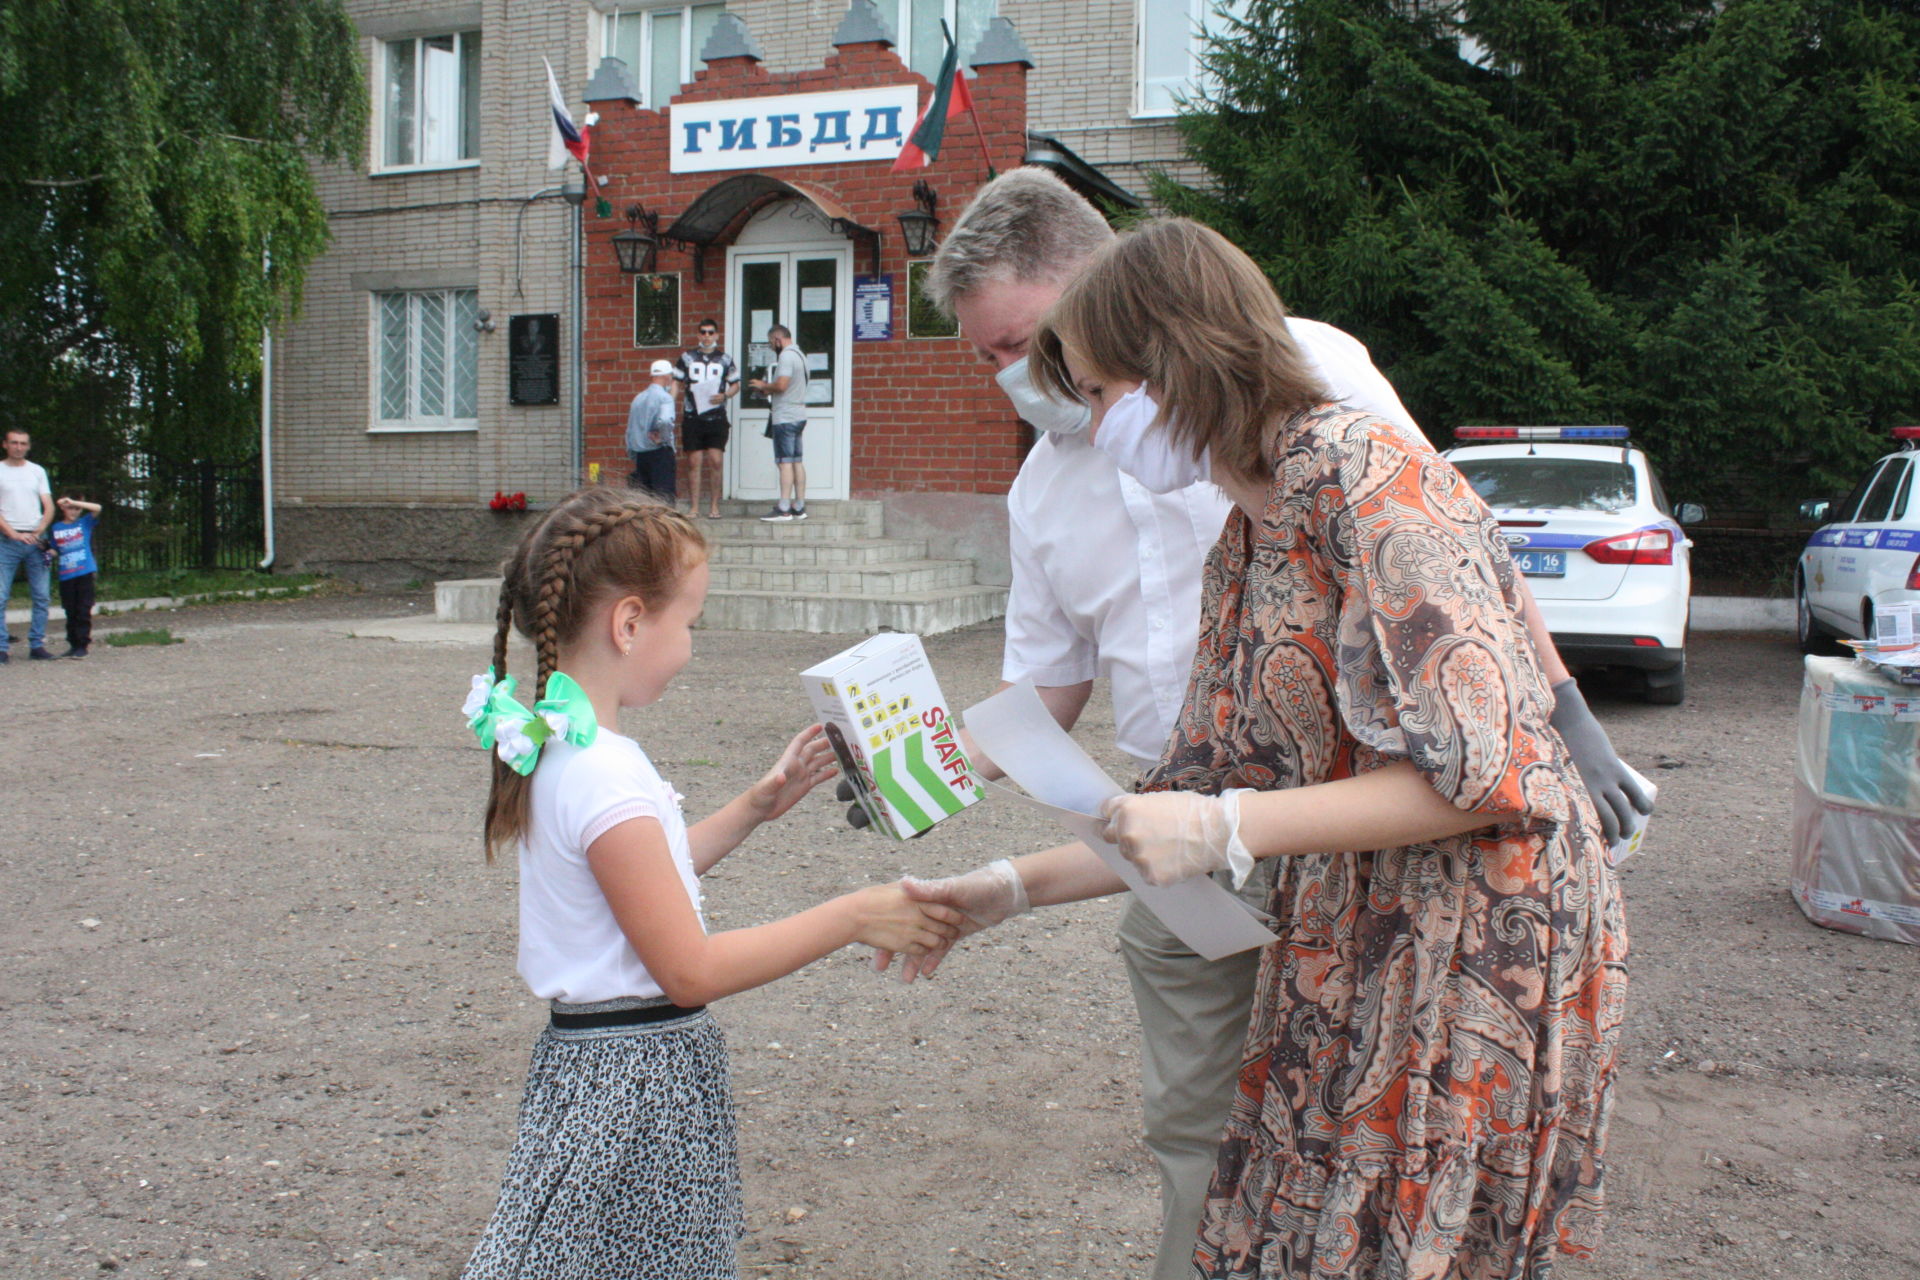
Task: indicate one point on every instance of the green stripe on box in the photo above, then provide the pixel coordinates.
(896, 795)
(922, 773)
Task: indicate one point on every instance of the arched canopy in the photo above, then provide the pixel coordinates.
(716, 209)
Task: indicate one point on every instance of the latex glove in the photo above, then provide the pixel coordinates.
(988, 896)
(1173, 835)
(1616, 796)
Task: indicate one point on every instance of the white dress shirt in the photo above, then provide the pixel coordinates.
(1106, 576)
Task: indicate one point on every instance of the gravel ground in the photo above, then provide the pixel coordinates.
(262, 1019)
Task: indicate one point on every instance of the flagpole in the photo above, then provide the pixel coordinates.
(973, 108)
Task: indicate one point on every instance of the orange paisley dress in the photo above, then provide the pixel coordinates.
(1430, 1063)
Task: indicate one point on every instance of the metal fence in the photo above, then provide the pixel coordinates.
(165, 514)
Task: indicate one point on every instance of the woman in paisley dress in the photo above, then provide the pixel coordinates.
(1429, 1068)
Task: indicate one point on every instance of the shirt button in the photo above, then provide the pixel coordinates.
(1159, 623)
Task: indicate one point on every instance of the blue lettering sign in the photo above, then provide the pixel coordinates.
(877, 119)
(786, 131)
(839, 136)
(694, 129)
(737, 135)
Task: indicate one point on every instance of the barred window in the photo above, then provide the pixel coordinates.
(428, 356)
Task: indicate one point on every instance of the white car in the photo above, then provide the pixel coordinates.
(1865, 556)
(1601, 548)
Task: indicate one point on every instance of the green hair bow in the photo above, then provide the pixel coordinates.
(516, 734)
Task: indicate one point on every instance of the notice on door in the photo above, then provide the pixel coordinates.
(817, 298)
(873, 308)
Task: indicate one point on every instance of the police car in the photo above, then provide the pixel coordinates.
(1867, 553)
(1601, 548)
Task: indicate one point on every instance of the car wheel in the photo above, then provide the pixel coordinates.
(1811, 637)
(1866, 620)
(1668, 688)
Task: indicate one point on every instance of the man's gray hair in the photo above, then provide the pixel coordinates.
(1024, 225)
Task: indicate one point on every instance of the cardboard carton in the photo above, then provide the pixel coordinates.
(893, 734)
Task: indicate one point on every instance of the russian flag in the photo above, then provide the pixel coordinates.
(951, 100)
(568, 139)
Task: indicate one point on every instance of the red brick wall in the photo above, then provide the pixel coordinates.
(926, 415)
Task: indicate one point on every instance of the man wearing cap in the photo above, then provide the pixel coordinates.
(650, 434)
(1106, 582)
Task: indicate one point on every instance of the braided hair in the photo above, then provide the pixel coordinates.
(597, 543)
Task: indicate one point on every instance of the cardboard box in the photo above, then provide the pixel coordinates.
(893, 734)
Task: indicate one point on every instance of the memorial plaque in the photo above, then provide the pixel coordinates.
(533, 360)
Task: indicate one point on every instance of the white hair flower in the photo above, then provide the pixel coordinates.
(512, 744)
(558, 721)
(477, 696)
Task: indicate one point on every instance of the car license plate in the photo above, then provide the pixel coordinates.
(1541, 564)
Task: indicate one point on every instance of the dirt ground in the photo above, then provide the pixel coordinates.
(262, 1020)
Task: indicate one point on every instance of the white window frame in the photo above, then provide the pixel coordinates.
(379, 165)
(901, 11)
(376, 383)
(643, 74)
(1200, 14)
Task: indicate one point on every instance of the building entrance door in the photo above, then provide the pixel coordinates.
(808, 289)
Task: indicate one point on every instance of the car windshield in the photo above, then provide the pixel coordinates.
(1567, 484)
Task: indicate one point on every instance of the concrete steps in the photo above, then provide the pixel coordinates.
(834, 572)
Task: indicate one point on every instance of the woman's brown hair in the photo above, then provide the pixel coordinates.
(598, 543)
(1177, 306)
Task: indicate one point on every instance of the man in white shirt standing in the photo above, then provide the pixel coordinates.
(26, 509)
(1081, 607)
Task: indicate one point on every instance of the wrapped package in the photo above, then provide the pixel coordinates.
(1856, 802)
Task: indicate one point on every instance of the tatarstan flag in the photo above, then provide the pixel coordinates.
(951, 100)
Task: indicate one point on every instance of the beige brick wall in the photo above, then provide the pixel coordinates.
(461, 225)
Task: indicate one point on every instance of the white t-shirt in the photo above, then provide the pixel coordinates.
(1081, 606)
(571, 947)
(20, 491)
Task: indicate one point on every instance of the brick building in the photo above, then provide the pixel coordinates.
(395, 416)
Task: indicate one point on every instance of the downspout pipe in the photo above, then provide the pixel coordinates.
(575, 194)
(266, 442)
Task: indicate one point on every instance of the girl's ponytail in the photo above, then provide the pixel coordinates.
(597, 541)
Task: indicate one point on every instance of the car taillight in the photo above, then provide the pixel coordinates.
(1913, 575)
(1642, 546)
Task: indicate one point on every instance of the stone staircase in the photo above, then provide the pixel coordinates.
(834, 572)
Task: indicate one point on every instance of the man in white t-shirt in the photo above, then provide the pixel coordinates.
(1081, 608)
(26, 509)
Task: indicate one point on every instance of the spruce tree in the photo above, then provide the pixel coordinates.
(1701, 219)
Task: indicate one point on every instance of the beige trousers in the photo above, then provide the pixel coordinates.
(1193, 1027)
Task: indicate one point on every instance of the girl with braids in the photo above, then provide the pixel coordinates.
(624, 1167)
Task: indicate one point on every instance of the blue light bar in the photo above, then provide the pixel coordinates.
(1540, 433)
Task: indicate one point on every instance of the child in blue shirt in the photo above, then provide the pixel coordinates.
(72, 539)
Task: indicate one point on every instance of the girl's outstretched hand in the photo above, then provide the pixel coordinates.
(805, 764)
(890, 920)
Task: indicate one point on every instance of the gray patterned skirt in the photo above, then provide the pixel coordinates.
(625, 1165)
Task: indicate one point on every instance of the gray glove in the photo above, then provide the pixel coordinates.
(1616, 796)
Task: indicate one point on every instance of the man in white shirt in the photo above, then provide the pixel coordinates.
(26, 509)
(1082, 607)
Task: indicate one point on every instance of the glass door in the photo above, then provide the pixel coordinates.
(808, 291)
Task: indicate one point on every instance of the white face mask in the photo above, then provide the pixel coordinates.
(1059, 416)
(1148, 453)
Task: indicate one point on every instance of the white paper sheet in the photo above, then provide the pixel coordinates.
(1015, 730)
(817, 361)
(706, 394)
(817, 298)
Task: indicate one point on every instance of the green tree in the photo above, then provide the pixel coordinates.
(1698, 218)
(156, 207)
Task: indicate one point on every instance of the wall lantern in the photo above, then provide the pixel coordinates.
(634, 247)
(919, 227)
